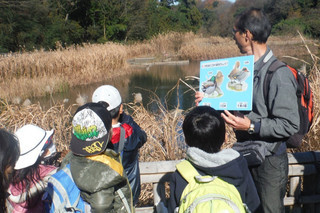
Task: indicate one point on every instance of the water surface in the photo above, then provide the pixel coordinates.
(158, 82)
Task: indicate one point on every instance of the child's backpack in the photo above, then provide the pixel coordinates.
(62, 194)
(207, 193)
(305, 101)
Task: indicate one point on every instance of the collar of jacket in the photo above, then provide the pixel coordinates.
(263, 60)
(204, 159)
(109, 157)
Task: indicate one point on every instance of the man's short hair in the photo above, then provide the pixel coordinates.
(204, 128)
(257, 22)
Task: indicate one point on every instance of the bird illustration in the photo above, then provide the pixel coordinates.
(242, 75)
(213, 84)
(219, 78)
(234, 71)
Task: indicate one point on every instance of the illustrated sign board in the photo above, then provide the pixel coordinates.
(227, 83)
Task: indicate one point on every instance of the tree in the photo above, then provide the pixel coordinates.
(22, 24)
(110, 15)
(189, 15)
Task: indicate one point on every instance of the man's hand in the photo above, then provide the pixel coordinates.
(199, 96)
(237, 121)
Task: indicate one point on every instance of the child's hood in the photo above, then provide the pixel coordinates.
(225, 163)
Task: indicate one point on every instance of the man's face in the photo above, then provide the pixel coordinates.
(241, 41)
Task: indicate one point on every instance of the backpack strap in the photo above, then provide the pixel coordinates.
(187, 171)
(58, 193)
(124, 200)
(122, 139)
(274, 66)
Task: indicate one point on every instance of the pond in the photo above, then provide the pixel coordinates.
(157, 82)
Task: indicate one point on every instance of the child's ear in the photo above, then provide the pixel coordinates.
(110, 134)
(121, 109)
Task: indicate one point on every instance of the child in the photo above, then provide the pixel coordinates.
(30, 178)
(134, 136)
(204, 132)
(95, 169)
(9, 154)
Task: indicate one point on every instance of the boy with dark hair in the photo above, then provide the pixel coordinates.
(204, 131)
(127, 137)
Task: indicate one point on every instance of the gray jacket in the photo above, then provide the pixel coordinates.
(283, 119)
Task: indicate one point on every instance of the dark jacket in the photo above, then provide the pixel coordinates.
(135, 137)
(227, 164)
(98, 178)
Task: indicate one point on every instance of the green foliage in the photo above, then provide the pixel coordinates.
(21, 24)
(64, 32)
(30, 24)
(312, 23)
(189, 15)
(288, 27)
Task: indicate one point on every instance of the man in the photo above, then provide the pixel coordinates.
(271, 121)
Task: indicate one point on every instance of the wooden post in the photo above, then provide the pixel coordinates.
(295, 191)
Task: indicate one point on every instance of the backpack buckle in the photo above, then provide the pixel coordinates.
(205, 179)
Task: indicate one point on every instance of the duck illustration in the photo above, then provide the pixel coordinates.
(213, 84)
(234, 71)
(242, 75)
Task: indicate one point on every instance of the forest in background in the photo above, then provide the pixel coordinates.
(27, 25)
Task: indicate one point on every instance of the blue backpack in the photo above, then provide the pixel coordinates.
(62, 194)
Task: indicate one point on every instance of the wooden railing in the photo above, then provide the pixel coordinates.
(303, 194)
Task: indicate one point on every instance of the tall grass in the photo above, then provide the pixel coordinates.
(58, 117)
(28, 74)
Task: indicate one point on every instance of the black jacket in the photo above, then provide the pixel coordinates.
(227, 164)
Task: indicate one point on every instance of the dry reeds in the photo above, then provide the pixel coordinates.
(164, 131)
(61, 69)
(311, 141)
(57, 117)
(208, 48)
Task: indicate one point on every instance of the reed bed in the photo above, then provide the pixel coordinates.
(209, 48)
(60, 69)
(38, 73)
(58, 117)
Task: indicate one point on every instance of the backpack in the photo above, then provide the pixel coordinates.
(207, 193)
(305, 101)
(62, 194)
